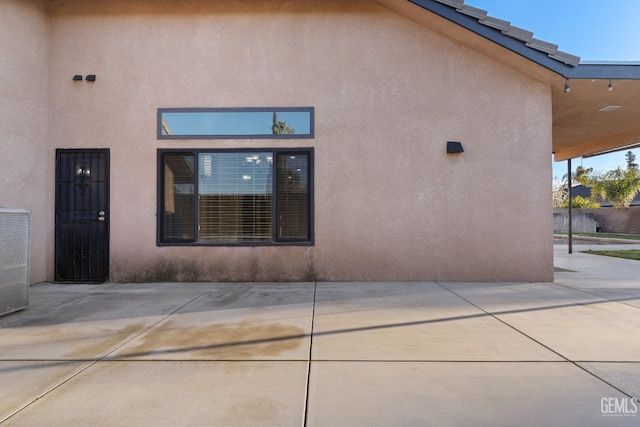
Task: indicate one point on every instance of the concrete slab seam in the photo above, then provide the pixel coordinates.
(93, 362)
(601, 379)
(461, 361)
(46, 392)
(539, 343)
(619, 301)
(503, 322)
(148, 328)
(313, 319)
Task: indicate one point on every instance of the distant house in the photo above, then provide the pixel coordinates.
(585, 192)
(267, 140)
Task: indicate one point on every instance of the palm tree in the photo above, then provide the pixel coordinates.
(583, 176)
(561, 191)
(280, 127)
(618, 186)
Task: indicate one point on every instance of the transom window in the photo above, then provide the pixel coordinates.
(233, 197)
(235, 123)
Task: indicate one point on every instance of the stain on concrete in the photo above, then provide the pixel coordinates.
(243, 340)
(226, 295)
(110, 339)
(254, 411)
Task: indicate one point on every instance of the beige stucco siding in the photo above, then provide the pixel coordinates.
(388, 93)
(26, 166)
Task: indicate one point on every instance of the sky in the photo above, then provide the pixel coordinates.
(594, 30)
(232, 122)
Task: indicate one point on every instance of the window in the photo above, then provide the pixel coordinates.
(229, 197)
(237, 123)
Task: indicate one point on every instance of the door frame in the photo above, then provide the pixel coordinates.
(107, 200)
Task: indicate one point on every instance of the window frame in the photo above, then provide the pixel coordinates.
(160, 183)
(310, 110)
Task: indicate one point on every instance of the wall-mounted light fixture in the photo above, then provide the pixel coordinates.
(82, 179)
(91, 77)
(77, 78)
(567, 88)
(454, 147)
(82, 171)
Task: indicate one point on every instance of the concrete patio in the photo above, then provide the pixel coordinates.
(330, 354)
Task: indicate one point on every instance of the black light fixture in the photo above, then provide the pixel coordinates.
(83, 175)
(454, 147)
(77, 78)
(91, 77)
(567, 88)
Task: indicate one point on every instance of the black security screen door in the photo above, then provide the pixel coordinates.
(82, 215)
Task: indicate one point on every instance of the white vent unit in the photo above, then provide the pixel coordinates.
(14, 259)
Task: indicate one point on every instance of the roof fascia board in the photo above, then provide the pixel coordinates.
(605, 71)
(602, 144)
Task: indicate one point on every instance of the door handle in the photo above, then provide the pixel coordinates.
(101, 215)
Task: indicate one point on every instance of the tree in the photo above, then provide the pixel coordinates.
(559, 193)
(583, 176)
(561, 188)
(631, 160)
(618, 186)
(280, 127)
(579, 202)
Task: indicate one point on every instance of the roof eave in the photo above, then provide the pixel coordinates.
(495, 35)
(605, 71)
(560, 63)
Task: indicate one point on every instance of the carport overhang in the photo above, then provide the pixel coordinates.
(580, 126)
(600, 113)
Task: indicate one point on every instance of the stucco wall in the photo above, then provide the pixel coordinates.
(388, 92)
(25, 164)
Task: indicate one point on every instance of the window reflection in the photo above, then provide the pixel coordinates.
(179, 182)
(235, 197)
(233, 123)
(293, 197)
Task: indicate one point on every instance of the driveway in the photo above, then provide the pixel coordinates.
(330, 354)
